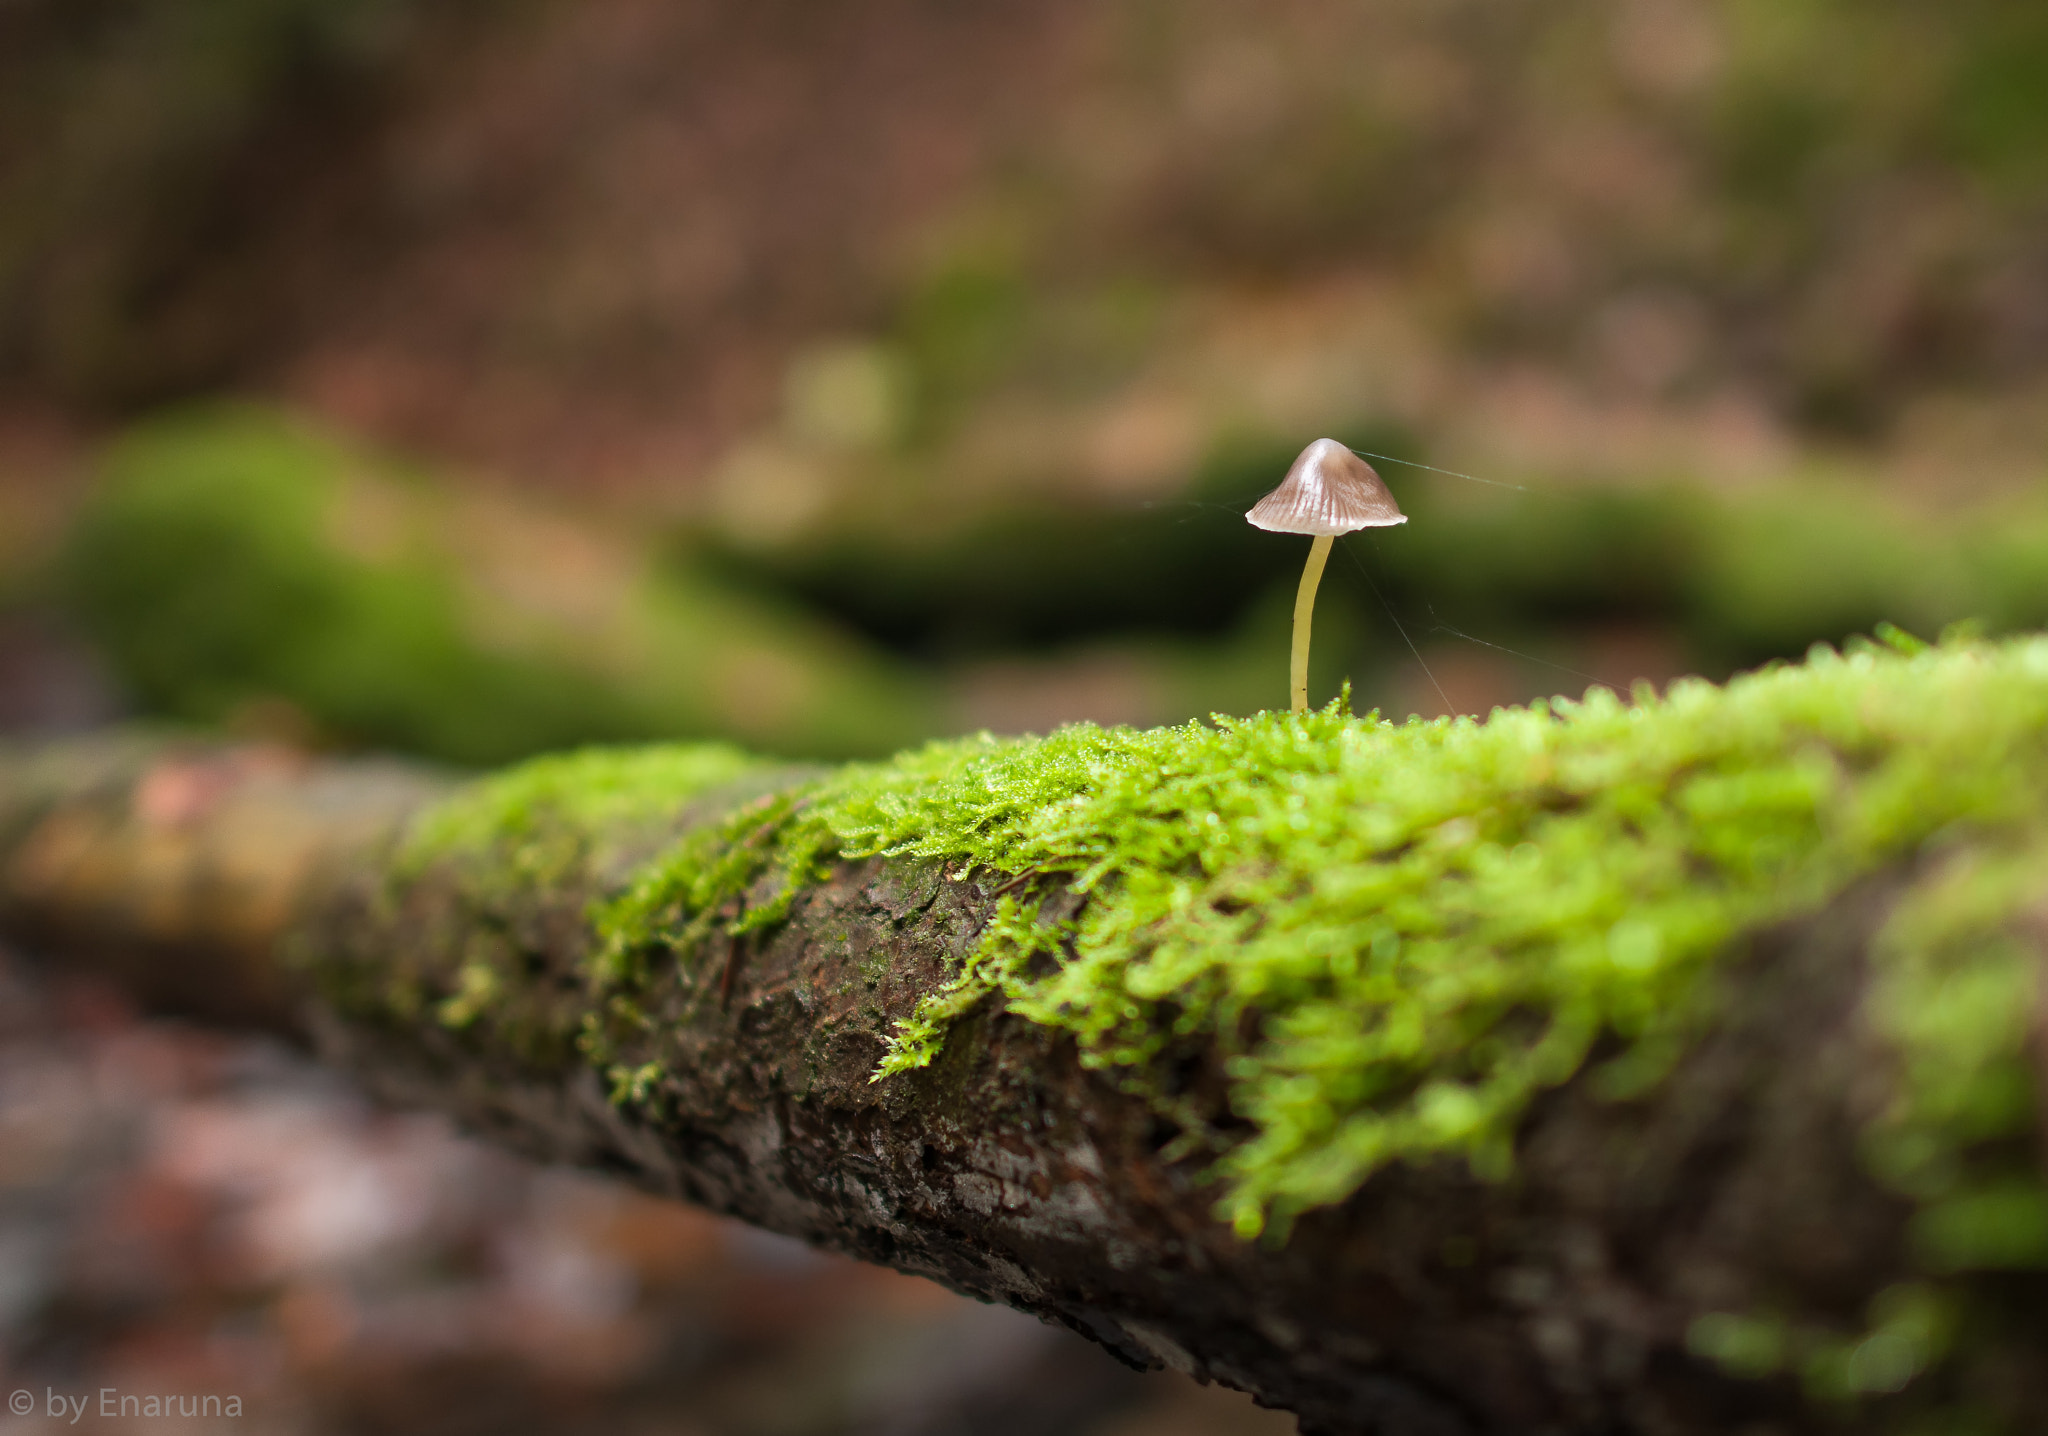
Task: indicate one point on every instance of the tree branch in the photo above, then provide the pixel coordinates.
(1567, 1297)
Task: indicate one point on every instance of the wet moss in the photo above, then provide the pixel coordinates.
(535, 819)
(1368, 917)
(511, 852)
(1400, 935)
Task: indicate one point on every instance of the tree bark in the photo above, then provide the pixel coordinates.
(251, 885)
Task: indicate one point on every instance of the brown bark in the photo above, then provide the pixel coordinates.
(1431, 1302)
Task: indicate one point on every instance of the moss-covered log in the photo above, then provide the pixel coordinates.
(1669, 1068)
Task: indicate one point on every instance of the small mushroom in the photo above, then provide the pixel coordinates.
(1328, 491)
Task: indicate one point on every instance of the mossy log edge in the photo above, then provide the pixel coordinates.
(247, 884)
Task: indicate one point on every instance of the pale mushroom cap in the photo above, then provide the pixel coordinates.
(1328, 490)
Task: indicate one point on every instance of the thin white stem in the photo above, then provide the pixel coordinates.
(1304, 615)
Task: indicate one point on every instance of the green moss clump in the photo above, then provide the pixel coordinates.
(575, 796)
(207, 571)
(1399, 936)
(552, 824)
(234, 564)
(698, 887)
(1957, 996)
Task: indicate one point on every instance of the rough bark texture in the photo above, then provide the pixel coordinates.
(1429, 1304)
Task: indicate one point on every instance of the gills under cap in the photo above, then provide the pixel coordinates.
(1328, 490)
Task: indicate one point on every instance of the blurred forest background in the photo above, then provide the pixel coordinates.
(486, 377)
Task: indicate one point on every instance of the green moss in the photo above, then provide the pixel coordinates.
(1384, 908)
(548, 824)
(697, 887)
(1910, 1327)
(514, 815)
(1399, 936)
(207, 570)
(233, 562)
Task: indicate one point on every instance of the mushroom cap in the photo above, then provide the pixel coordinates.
(1328, 490)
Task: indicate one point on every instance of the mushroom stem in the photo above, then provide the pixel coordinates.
(1304, 615)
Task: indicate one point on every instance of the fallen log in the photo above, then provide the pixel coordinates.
(1782, 1171)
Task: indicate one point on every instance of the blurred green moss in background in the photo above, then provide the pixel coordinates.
(235, 567)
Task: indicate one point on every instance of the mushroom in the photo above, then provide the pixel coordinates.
(1328, 491)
